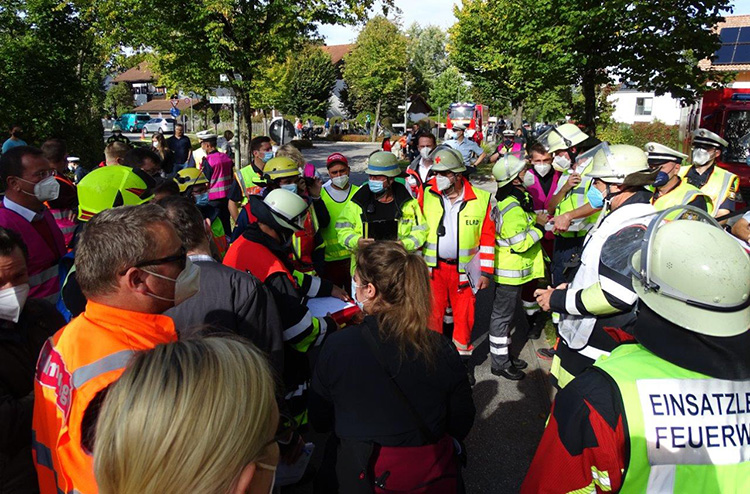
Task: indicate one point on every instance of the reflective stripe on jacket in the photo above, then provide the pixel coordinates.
(334, 250)
(720, 186)
(221, 175)
(518, 252)
(683, 194)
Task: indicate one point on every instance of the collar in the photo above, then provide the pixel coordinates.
(25, 212)
(130, 321)
(201, 258)
(468, 193)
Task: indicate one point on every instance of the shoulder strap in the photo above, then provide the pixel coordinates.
(367, 334)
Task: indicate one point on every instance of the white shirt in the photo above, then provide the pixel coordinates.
(337, 195)
(26, 213)
(448, 244)
(423, 170)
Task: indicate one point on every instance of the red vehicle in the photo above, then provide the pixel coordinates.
(469, 114)
(727, 113)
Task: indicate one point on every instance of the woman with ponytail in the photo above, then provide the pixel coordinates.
(394, 392)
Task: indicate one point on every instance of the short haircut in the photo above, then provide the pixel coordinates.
(11, 161)
(179, 125)
(257, 142)
(537, 147)
(115, 150)
(169, 187)
(135, 158)
(184, 394)
(186, 219)
(55, 150)
(9, 241)
(427, 135)
(290, 151)
(114, 241)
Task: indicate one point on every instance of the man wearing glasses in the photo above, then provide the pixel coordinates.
(131, 266)
(29, 180)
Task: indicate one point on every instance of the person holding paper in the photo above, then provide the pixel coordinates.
(518, 259)
(458, 216)
(383, 210)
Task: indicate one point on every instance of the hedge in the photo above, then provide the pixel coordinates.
(348, 138)
(638, 134)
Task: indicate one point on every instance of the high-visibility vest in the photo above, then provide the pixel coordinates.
(43, 259)
(221, 175)
(219, 237)
(63, 216)
(471, 218)
(74, 365)
(334, 250)
(687, 432)
(720, 186)
(518, 253)
(683, 194)
(251, 182)
(256, 259)
(574, 199)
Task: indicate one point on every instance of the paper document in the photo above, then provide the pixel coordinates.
(575, 226)
(319, 307)
(474, 272)
(291, 474)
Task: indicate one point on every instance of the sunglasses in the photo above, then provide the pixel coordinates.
(180, 258)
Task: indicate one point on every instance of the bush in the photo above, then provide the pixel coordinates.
(348, 138)
(641, 133)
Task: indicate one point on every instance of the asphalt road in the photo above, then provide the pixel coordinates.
(510, 415)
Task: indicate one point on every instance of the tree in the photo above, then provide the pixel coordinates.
(308, 80)
(374, 69)
(425, 51)
(449, 87)
(198, 41)
(119, 99)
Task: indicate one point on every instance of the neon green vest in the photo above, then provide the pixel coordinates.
(574, 199)
(683, 194)
(687, 432)
(334, 250)
(251, 182)
(720, 186)
(470, 220)
(518, 252)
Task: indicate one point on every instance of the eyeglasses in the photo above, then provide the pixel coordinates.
(180, 257)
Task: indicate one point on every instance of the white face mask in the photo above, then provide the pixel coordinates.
(360, 304)
(542, 169)
(528, 180)
(443, 183)
(701, 157)
(72, 168)
(12, 301)
(187, 283)
(561, 163)
(425, 153)
(270, 468)
(341, 181)
(44, 190)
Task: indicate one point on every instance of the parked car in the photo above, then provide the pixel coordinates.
(163, 125)
(134, 122)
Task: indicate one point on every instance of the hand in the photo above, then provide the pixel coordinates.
(562, 286)
(357, 318)
(573, 180)
(483, 283)
(542, 218)
(362, 242)
(542, 297)
(315, 188)
(301, 185)
(340, 294)
(562, 222)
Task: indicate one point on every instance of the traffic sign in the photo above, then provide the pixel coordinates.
(174, 112)
(221, 100)
(187, 101)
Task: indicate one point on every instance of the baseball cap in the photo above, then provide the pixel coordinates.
(336, 158)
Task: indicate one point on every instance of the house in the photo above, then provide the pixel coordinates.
(632, 105)
(337, 53)
(142, 84)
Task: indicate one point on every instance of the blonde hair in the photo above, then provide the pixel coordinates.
(291, 152)
(185, 417)
(403, 303)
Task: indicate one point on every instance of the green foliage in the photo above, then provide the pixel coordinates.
(641, 133)
(119, 99)
(374, 70)
(449, 87)
(425, 51)
(308, 80)
(53, 58)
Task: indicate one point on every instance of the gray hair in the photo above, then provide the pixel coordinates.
(114, 241)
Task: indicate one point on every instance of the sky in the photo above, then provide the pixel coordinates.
(434, 12)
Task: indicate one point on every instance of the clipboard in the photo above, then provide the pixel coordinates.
(474, 272)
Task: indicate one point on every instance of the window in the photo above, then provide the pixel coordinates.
(643, 106)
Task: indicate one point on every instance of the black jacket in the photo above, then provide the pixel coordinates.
(230, 300)
(20, 344)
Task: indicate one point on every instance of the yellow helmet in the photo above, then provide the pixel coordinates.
(111, 186)
(187, 177)
(281, 167)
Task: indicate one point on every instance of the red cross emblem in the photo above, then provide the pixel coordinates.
(437, 159)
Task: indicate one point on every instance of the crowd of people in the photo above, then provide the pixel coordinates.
(162, 334)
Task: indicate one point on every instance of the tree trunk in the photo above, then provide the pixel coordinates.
(518, 115)
(245, 127)
(588, 87)
(377, 121)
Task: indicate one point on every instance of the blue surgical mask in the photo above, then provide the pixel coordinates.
(267, 156)
(290, 187)
(595, 197)
(376, 186)
(661, 179)
(202, 199)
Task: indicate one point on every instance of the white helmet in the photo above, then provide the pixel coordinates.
(564, 136)
(506, 169)
(287, 208)
(613, 164)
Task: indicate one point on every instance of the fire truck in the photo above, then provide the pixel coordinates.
(727, 113)
(469, 114)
